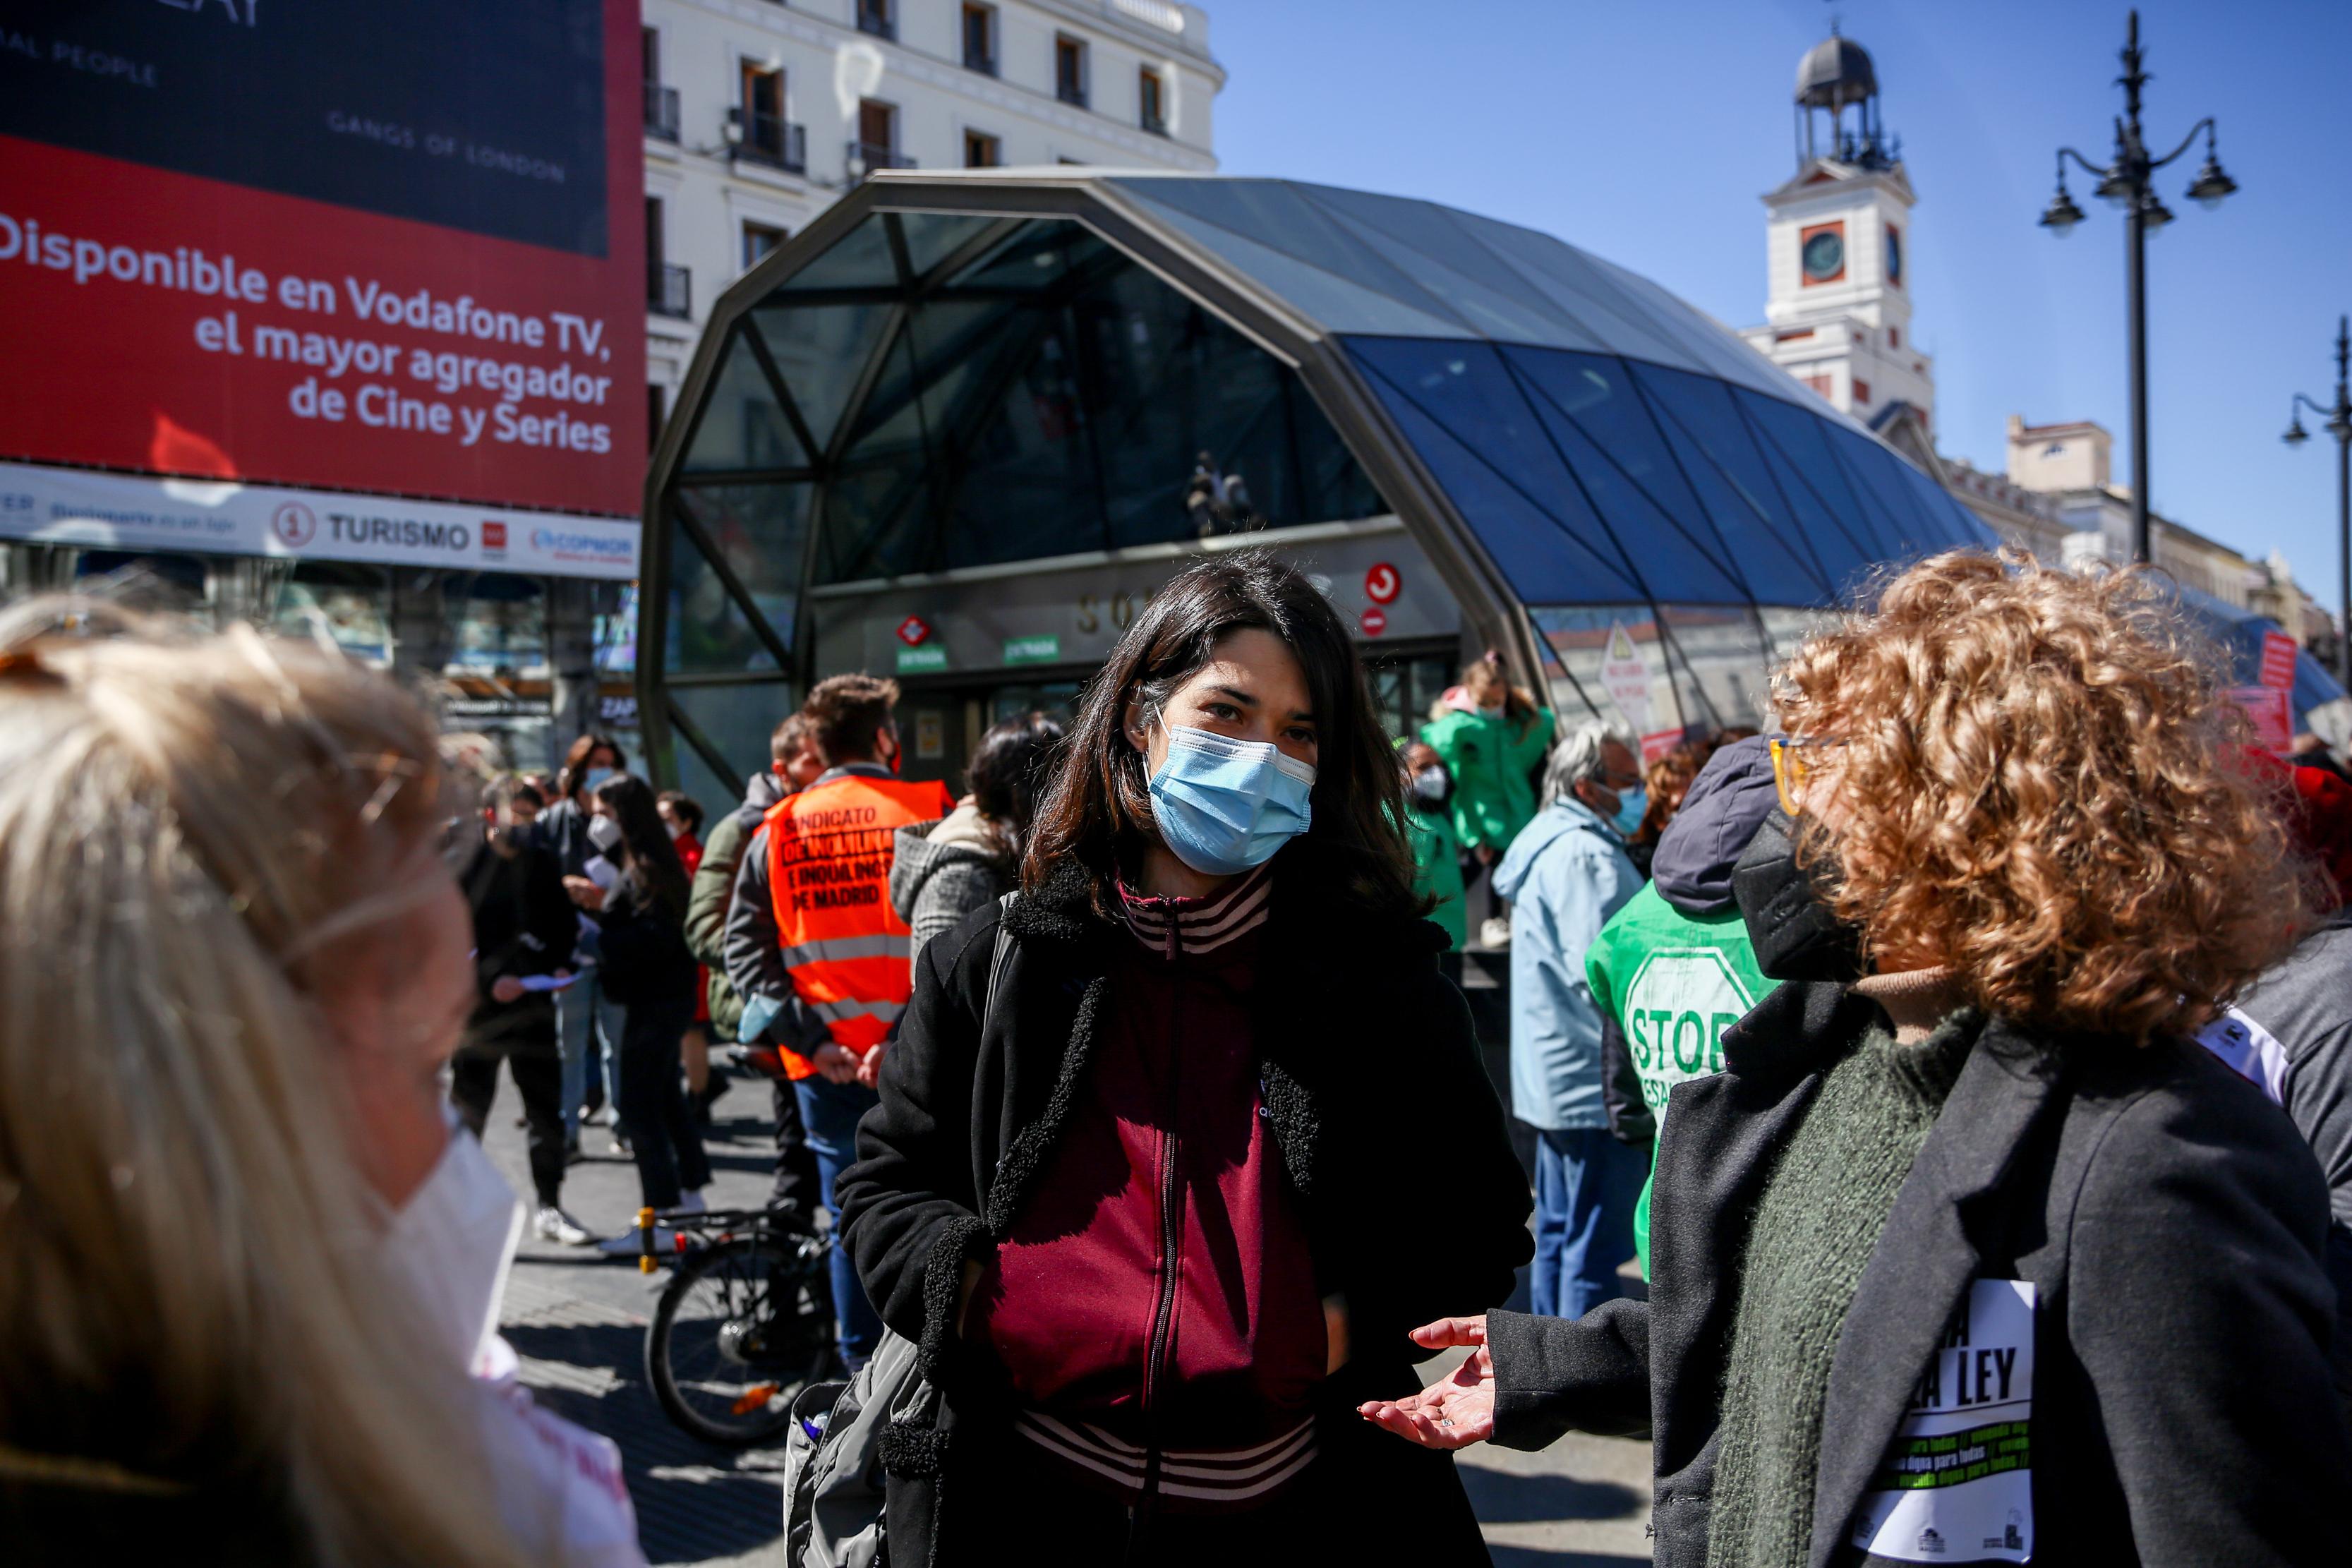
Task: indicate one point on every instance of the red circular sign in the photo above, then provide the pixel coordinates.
(294, 523)
(914, 631)
(1373, 622)
(1382, 583)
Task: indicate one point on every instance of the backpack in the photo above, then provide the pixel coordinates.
(834, 1485)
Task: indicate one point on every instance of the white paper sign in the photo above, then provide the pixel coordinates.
(1956, 1482)
(1626, 676)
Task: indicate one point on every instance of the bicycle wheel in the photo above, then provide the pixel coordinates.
(740, 1327)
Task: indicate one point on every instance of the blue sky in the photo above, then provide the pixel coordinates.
(1644, 132)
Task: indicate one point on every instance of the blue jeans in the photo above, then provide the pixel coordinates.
(582, 1015)
(831, 1113)
(1586, 1186)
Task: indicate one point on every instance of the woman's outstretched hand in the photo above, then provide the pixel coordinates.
(1454, 1412)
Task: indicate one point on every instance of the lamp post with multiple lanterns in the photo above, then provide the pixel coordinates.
(2126, 184)
(2338, 417)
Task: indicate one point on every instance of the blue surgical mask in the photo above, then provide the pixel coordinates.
(1631, 804)
(594, 778)
(1225, 805)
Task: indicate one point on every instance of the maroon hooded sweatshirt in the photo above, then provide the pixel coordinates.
(1155, 1305)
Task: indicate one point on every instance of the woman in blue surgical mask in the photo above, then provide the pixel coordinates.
(1120, 1187)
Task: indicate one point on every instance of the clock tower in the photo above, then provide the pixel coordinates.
(1838, 249)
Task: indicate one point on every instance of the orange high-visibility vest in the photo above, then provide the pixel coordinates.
(849, 955)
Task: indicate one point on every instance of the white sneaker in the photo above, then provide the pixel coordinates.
(691, 1202)
(552, 1224)
(627, 1245)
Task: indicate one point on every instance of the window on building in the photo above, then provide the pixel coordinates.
(879, 18)
(1152, 93)
(1070, 70)
(1819, 383)
(1861, 393)
(982, 150)
(1894, 337)
(980, 39)
(666, 284)
(763, 112)
(661, 102)
(759, 239)
(2055, 449)
(877, 133)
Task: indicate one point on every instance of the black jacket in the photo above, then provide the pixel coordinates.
(643, 961)
(523, 925)
(1363, 1043)
(2168, 1216)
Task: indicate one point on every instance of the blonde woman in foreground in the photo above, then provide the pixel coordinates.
(247, 1275)
(1969, 1253)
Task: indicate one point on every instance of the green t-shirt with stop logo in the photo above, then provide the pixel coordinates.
(1671, 983)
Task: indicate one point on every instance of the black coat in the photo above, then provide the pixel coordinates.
(523, 925)
(643, 961)
(1372, 1076)
(2168, 1216)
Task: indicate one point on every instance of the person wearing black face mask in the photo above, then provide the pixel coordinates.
(523, 934)
(1437, 851)
(1970, 1253)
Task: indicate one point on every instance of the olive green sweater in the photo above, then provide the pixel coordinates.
(1815, 1227)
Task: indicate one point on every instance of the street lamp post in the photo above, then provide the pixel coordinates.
(2338, 416)
(2126, 184)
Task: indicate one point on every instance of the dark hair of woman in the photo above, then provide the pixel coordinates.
(1099, 812)
(652, 861)
(574, 771)
(1011, 770)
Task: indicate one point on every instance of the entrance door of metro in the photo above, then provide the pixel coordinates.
(940, 721)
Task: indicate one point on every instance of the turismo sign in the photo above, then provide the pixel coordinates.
(397, 249)
(116, 512)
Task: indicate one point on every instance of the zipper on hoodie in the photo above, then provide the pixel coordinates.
(1163, 1309)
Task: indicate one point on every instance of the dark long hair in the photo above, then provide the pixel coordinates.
(653, 863)
(1097, 813)
(575, 770)
(1010, 772)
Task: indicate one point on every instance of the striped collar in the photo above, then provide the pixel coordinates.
(1189, 927)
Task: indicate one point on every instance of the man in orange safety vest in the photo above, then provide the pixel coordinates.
(820, 959)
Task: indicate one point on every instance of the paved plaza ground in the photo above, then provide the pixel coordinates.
(579, 1321)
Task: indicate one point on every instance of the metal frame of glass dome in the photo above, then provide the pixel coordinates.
(1547, 480)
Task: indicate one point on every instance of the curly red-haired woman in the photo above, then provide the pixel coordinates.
(1971, 1254)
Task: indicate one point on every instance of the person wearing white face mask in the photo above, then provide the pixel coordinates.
(587, 1022)
(1566, 874)
(1121, 1188)
(1436, 852)
(251, 1275)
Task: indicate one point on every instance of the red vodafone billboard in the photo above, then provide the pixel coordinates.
(387, 248)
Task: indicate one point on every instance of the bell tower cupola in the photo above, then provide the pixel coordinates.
(1838, 247)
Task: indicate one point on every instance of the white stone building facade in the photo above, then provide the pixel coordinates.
(760, 114)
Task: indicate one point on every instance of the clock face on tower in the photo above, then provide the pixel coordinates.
(1824, 255)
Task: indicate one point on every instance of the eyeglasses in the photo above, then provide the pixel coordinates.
(1792, 766)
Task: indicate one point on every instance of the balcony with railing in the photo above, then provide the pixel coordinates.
(978, 56)
(874, 16)
(770, 139)
(669, 290)
(661, 111)
(864, 157)
(1155, 122)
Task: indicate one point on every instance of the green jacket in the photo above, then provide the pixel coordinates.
(1437, 869)
(1671, 983)
(714, 889)
(1493, 762)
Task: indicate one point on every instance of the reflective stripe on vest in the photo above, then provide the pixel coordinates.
(829, 854)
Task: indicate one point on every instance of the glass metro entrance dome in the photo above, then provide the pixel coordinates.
(959, 428)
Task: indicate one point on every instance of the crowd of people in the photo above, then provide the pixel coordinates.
(1964, 1066)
